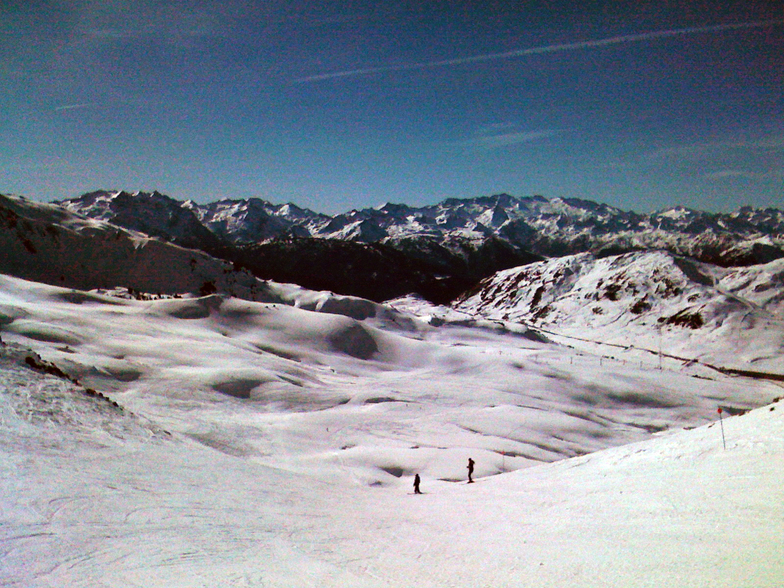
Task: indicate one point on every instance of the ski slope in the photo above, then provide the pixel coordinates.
(262, 444)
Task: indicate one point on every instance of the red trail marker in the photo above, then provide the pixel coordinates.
(721, 420)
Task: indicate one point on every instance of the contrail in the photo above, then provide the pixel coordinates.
(72, 107)
(545, 49)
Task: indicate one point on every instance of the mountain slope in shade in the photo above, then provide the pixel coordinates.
(381, 271)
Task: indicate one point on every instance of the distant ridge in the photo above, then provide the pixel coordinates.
(535, 225)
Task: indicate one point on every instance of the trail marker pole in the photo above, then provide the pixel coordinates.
(721, 420)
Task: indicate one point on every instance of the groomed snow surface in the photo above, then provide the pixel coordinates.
(241, 444)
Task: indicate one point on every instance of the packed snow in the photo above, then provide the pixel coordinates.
(216, 441)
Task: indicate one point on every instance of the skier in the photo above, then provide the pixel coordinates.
(470, 470)
(416, 484)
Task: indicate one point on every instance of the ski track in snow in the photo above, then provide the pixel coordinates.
(261, 445)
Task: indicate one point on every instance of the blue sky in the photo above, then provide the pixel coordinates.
(340, 105)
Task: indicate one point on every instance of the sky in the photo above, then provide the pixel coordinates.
(340, 105)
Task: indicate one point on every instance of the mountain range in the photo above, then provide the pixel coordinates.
(437, 251)
(545, 227)
(445, 255)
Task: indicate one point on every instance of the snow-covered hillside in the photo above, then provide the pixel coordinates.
(169, 419)
(731, 317)
(47, 243)
(240, 443)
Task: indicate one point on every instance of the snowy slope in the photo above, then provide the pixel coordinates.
(270, 439)
(181, 489)
(47, 243)
(263, 445)
(732, 317)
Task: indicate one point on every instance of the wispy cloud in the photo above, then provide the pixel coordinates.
(499, 136)
(113, 21)
(745, 159)
(556, 48)
(72, 107)
(739, 174)
(773, 144)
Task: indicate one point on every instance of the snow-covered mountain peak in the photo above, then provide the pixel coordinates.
(392, 209)
(549, 227)
(676, 213)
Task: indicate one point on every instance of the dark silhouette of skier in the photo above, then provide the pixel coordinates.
(470, 470)
(416, 484)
